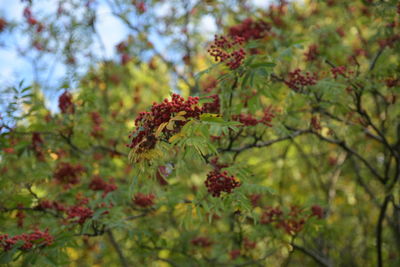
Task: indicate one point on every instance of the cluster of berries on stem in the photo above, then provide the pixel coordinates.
(249, 120)
(297, 81)
(315, 124)
(30, 19)
(201, 241)
(213, 107)
(98, 184)
(29, 241)
(97, 130)
(144, 200)
(293, 221)
(228, 51)
(312, 53)
(250, 29)
(65, 103)
(68, 174)
(144, 138)
(220, 181)
(340, 71)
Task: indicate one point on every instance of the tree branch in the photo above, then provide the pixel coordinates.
(117, 248)
(322, 261)
(266, 143)
(379, 229)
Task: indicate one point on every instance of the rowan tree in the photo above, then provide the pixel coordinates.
(273, 141)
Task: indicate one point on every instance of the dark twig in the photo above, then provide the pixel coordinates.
(117, 248)
(373, 63)
(379, 229)
(266, 143)
(322, 261)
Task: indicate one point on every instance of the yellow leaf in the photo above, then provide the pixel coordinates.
(170, 125)
(160, 128)
(178, 118)
(181, 113)
(175, 137)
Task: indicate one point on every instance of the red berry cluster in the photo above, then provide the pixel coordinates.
(390, 41)
(392, 82)
(275, 13)
(97, 130)
(317, 211)
(340, 32)
(250, 29)
(245, 119)
(297, 81)
(228, 51)
(47, 204)
(144, 200)
(255, 199)
(233, 254)
(79, 213)
(312, 53)
(29, 241)
(31, 20)
(123, 50)
(201, 242)
(291, 222)
(98, 184)
(340, 70)
(147, 123)
(218, 182)
(122, 47)
(315, 123)
(213, 107)
(140, 6)
(65, 103)
(249, 120)
(68, 174)
(248, 244)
